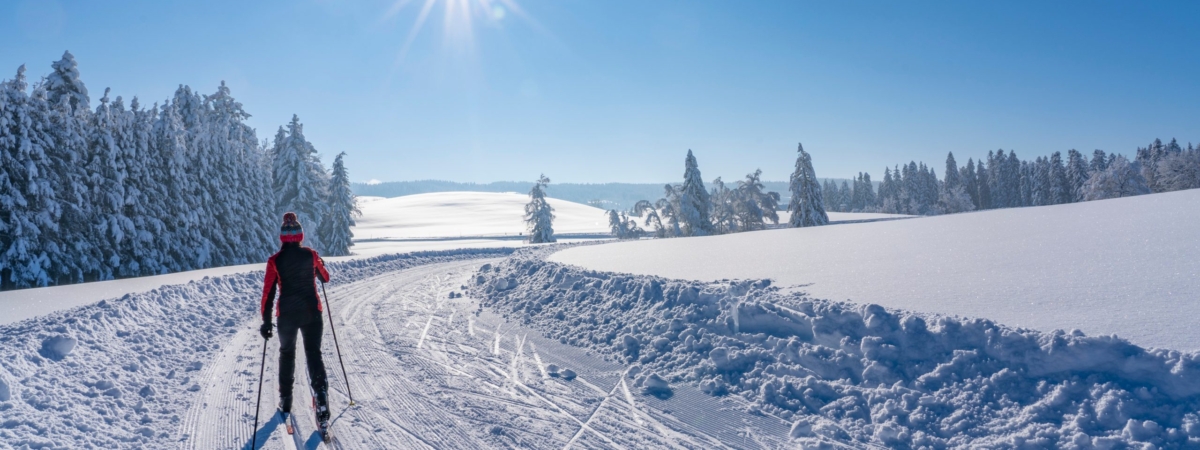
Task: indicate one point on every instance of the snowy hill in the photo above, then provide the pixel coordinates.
(466, 214)
(1126, 266)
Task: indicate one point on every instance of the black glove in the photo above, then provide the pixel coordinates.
(265, 330)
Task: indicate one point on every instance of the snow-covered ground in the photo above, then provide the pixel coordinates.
(1125, 266)
(178, 368)
(847, 375)
(466, 214)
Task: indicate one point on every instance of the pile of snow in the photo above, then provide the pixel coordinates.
(466, 214)
(855, 374)
(1124, 266)
(119, 373)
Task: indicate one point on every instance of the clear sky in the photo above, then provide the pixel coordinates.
(614, 90)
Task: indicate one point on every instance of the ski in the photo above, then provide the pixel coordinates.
(288, 422)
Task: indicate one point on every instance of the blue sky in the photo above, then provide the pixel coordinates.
(595, 91)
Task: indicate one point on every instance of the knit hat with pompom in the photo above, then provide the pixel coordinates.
(291, 231)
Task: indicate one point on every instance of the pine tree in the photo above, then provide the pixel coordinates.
(1077, 174)
(539, 216)
(985, 189)
(806, 208)
(64, 82)
(845, 198)
(335, 232)
(299, 184)
(1099, 162)
(694, 201)
(971, 182)
(1060, 187)
(953, 178)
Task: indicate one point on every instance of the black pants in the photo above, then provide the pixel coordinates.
(311, 332)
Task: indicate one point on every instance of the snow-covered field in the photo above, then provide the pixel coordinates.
(466, 214)
(1125, 266)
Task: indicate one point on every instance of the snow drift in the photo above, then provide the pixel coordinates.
(119, 373)
(858, 374)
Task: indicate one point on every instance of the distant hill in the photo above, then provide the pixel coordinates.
(600, 195)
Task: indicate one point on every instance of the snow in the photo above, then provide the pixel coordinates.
(853, 375)
(466, 214)
(1123, 266)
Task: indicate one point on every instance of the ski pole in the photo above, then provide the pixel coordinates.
(258, 403)
(335, 344)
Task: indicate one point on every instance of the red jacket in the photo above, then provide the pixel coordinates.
(292, 273)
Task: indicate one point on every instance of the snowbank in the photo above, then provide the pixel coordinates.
(1125, 266)
(467, 214)
(119, 373)
(855, 374)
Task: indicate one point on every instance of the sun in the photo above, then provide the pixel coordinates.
(459, 18)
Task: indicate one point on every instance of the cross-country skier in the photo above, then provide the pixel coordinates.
(291, 273)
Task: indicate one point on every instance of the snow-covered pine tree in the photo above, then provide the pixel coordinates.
(1099, 162)
(539, 216)
(985, 185)
(298, 183)
(147, 200)
(694, 203)
(69, 117)
(1121, 178)
(1060, 188)
(343, 207)
(185, 247)
(1077, 174)
(845, 198)
(105, 166)
(807, 208)
(829, 193)
(1026, 183)
(65, 82)
(953, 179)
(971, 182)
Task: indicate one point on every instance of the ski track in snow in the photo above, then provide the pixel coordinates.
(448, 384)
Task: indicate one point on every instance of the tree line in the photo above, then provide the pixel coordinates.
(689, 209)
(1003, 180)
(122, 191)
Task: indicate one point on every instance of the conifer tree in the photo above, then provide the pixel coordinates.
(807, 208)
(953, 178)
(694, 201)
(1077, 174)
(539, 216)
(1060, 187)
(335, 232)
(299, 184)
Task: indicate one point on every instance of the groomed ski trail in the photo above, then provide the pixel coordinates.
(421, 380)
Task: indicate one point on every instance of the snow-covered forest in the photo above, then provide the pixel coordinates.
(126, 190)
(1005, 181)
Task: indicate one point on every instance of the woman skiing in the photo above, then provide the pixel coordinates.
(290, 273)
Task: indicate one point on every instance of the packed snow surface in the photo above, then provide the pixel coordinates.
(854, 375)
(466, 214)
(1125, 266)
